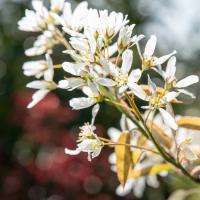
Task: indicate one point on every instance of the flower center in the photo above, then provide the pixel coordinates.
(121, 79)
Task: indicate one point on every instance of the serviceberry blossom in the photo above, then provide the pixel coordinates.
(98, 60)
(73, 22)
(171, 81)
(88, 140)
(43, 86)
(148, 59)
(145, 160)
(41, 18)
(43, 44)
(93, 97)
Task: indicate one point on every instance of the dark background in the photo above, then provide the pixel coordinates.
(32, 161)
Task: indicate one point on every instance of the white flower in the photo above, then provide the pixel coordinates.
(73, 22)
(37, 20)
(125, 39)
(43, 86)
(36, 68)
(171, 81)
(122, 78)
(88, 140)
(148, 59)
(138, 184)
(85, 102)
(84, 47)
(57, 5)
(110, 24)
(43, 44)
(76, 70)
(157, 101)
(187, 142)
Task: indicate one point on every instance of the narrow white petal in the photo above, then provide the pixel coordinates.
(187, 81)
(106, 82)
(37, 85)
(95, 110)
(152, 85)
(123, 123)
(71, 83)
(122, 89)
(81, 103)
(74, 69)
(134, 76)
(37, 97)
(187, 93)
(49, 73)
(139, 187)
(87, 90)
(168, 119)
(161, 60)
(170, 96)
(112, 49)
(127, 59)
(171, 68)
(114, 134)
(138, 91)
(92, 40)
(150, 46)
(112, 158)
(123, 191)
(72, 152)
(81, 9)
(37, 5)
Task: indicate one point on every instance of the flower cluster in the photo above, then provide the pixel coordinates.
(101, 46)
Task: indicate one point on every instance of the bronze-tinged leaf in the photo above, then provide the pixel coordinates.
(136, 155)
(160, 91)
(123, 156)
(189, 122)
(159, 134)
(150, 170)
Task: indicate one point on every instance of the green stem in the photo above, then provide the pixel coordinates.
(164, 154)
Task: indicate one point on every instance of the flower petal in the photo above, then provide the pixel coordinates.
(49, 73)
(38, 85)
(171, 68)
(187, 81)
(95, 110)
(114, 134)
(72, 152)
(138, 91)
(150, 46)
(127, 59)
(37, 96)
(161, 60)
(81, 103)
(152, 85)
(74, 69)
(168, 119)
(134, 76)
(170, 96)
(71, 83)
(106, 82)
(187, 93)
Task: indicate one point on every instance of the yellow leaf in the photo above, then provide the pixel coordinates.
(123, 155)
(189, 122)
(150, 170)
(136, 154)
(159, 134)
